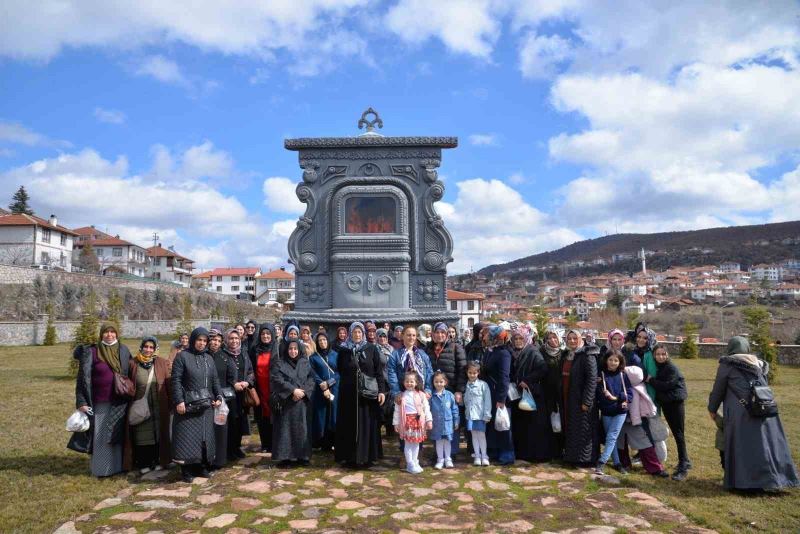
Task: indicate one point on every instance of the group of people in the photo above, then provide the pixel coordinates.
(511, 396)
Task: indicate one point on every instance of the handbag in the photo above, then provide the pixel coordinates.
(228, 393)
(251, 399)
(79, 421)
(367, 385)
(527, 404)
(124, 386)
(197, 400)
(139, 412)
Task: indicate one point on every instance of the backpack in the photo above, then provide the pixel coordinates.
(761, 400)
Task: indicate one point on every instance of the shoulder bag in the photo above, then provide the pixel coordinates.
(124, 387)
(139, 411)
(367, 385)
(251, 399)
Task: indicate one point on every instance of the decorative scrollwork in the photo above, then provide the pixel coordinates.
(308, 261)
(370, 124)
(309, 170)
(385, 282)
(314, 291)
(433, 261)
(333, 171)
(406, 171)
(370, 169)
(430, 166)
(303, 193)
(353, 282)
(370, 283)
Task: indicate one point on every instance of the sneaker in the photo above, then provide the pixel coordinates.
(621, 469)
(411, 468)
(448, 463)
(416, 469)
(439, 464)
(661, 474)
(485, 461)
(598, 469)
(477, 461)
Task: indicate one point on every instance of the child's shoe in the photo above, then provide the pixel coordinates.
(598, 469)
(621, 468)
(477, 461)
(417, 469)
(661, 474)
(485, 461)
(448, 463)
(439, 464)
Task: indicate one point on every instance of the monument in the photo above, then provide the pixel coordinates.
(370, 244)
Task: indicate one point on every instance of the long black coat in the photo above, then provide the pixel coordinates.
(358, 437)
(244, 373)
(452, 361)
(226, 373)
(581, 432)
(291, 425)
(757, 454)
(532, 432)
(191, 431)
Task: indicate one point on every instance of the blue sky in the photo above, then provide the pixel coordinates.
(575, 118)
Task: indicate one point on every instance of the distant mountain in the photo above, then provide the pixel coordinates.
(762, 243)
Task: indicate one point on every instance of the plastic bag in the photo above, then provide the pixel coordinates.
(79, 421)
(221, 413)
(513, 392)
(527, 403)
(555, 422)
(502, 421)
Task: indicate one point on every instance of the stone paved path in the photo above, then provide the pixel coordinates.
(254, 496)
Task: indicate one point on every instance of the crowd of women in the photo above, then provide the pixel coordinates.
(511, 397)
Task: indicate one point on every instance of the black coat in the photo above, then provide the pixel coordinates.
(581, 432)
(452, 361)
(669, 383)
(291, 434)
(532, 433)
(358, 438)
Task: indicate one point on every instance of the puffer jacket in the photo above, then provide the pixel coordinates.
(669, 383)
(452, 361)
(618, 384)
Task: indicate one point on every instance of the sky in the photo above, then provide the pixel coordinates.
(575, 119)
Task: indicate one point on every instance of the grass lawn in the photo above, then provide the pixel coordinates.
(42, 484)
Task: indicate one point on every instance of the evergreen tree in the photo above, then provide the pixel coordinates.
(87, 331)
(540, 320)
(87, 259)
(50, 332)
(758, 320)
(185, 324)
(39, 292)
(235, 313)
(19, 204)
(631, 319)
(69, 297)
(616, 301)
(115, 308)
(689, 346)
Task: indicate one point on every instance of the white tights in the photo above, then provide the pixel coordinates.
(411, 452)
(442, 449)
(479, 444)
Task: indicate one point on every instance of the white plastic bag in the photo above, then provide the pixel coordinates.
(221, 413)
(502, 421)
(527, 403)
(513, 392)
(78, 421)
(555, 422)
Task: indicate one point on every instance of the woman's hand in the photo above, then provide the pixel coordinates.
(298, 394)
(523, 385)
(323, 386)
(181, 408)
(398, 399)
(397, 428)
(584, 408)
(238, 386)
(500, 405)
(382, 399)
(429, 425)
(713, 416)
(624, 405)
(216, 403)
(459, 397)
(84, 408)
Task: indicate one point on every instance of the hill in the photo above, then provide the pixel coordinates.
(747, 245)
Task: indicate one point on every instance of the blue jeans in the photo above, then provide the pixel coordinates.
(613, 425)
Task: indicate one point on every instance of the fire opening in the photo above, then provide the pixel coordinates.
(370, 215)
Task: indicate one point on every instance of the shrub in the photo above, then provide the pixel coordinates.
(689, 345)
(758, 322)
(50, 332)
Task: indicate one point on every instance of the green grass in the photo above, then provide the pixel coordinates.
(42, 484)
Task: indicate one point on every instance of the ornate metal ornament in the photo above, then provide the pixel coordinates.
(370, 124)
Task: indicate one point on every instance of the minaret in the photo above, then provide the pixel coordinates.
(644, 263)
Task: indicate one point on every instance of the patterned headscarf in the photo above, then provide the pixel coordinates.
(424, 333)
(651, 335)
(613, 333)
(577, 332)
(352, 345)
(497, 335)
(523, 330)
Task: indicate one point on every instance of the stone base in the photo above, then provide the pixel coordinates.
(378, 315)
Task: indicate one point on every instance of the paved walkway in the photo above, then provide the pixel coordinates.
(254, 496)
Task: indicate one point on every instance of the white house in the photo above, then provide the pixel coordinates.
(729, 267)
(30, 240)
(640, 304)
(785, 290)
(468, 306)
(166, 264)
(113, 253)
(275, 287)
(231, 280)
(763, 271)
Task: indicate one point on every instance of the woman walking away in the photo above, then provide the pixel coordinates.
(757, 455)
(148, 414)
(358, 438)
(671, 393)
(444, 411)
(238, 422)
(326, 394)
(94, 394)
(226, 373)
(578, 390)
(195, 392)
(477, 411)
(291, 386)
(614, 396)
(412, 418)
(261, 354)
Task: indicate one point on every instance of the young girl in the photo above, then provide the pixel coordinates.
(671, 393)
(477, 411)
(614, 394)
(642, 430)
(412, 417)
(444, 411)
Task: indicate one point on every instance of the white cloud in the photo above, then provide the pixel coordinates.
(540, 56)
(195, 163)
(16, 133)
(110, 116)
(483, 140)
(162, 69)
(279, 195)
(517, 178)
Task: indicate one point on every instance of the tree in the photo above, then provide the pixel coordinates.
(631, 319)
(87, 331)
(185, 324)
(616, 301)
(572, 318)
(540, 320)
(689, 346)
(69, 298)
(50, 332)
(87, 259)
(19, 204)
(758, 320)
(115, 309)
(39, 292)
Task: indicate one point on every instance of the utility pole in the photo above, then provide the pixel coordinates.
(155, 239)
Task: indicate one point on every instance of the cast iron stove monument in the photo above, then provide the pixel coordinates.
(370, 244)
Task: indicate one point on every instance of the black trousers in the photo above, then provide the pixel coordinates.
(675, 414)
(234, 436)
(264, 429)
(145, 456)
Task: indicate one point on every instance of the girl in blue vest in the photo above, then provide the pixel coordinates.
(444, 411)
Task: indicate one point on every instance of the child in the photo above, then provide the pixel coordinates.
(641, 430)
(445, 419)
(477, 411)
(412, 417)
(614, 394)
(719, 439)
(671, 393)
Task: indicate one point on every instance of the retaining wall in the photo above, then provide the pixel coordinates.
(787, 354)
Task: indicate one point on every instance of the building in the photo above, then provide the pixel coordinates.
(230, 280)
(770, 273)
(114, 255)
(30, 240)
(467, 305)
(729, 267)
(585, 302)
(276, 287)
(167, 265)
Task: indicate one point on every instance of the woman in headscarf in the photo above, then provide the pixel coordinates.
(424, 335)
(408, 358)
(551, 354)
(341, 337)
(250, 336)
(182, 343)
(291, 384)
(385, 349)
(644, 341)
(94, 393)
(195, 392)
(358, 440)
(226, 373)
(579, 417)
(396, 337)
(305, 338)
(476, 349)
(326, 394)
(757, 455)
(496, 372)
(149, 437)
(238, 422)
(261, 354)
(448, 356)
(292, 333)
(640, 345)
(532, 433)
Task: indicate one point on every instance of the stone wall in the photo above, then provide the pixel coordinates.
(787, 354)
(32, 332)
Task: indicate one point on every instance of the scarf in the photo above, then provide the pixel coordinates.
(258, 346)
(553, 352)
(571, 353)
(109, 354)
(412, 361)
(289, 329)
(352, 345)
(145, 361)
(323, 352)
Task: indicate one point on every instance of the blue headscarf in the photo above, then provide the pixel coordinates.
(352, 345)
(289, 329)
